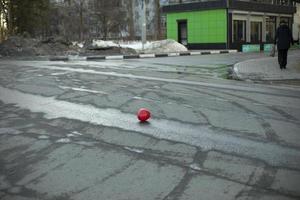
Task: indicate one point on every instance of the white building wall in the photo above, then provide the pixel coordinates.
(296, 25)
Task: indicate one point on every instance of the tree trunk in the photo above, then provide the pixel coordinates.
(3, 18)
(131, 21)
(105, 28)
(81, 20)
(9, 18)
(1, 27)
(158, 20)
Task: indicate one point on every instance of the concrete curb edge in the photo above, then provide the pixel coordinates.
(138, 56)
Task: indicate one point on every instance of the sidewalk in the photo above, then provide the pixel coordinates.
(268, 69)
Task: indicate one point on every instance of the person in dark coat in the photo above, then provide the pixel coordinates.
(283, 38)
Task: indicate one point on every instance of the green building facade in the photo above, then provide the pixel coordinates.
(224, 24)
(205, 27)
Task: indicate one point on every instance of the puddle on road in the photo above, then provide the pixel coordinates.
(83, 90)
(201, 136)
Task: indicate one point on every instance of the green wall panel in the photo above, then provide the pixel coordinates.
(203, 26)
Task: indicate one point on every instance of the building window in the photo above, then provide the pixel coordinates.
(239, 31)
(256, 32)
(270, 29)
(284, 2)
(275, 2)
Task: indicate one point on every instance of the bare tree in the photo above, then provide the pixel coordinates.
(6, 12)
(157, 20)
(112, 17)
(77, 19)
(81, 20)
(69, 19)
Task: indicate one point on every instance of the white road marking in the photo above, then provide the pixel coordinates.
(151, 55)
(83, 90)
(114, 57)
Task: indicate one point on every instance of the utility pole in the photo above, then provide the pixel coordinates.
(131, 20)
(158, 20)
(81, 20)
(144, 25)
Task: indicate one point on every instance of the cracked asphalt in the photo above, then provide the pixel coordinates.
(68, 130)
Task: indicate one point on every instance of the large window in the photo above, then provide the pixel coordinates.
(270, 28)
(256, 32)
(274, 2)
(239, 31)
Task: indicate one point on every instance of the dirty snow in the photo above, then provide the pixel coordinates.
(161, 46)
(104, 44)
(78, 44)
(19, 46)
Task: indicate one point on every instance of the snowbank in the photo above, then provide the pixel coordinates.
(162, 46)
(104, 44)
(78, 44)
(19, 46)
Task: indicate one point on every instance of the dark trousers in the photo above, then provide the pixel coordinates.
(282, 57)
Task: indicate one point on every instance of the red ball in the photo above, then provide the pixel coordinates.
(143, 114)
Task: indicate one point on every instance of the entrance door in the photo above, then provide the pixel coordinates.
(182, 32)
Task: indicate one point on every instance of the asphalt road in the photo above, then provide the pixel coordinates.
(68, 130)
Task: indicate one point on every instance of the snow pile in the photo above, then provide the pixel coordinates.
(136, 45)
(20, 46)
(165, 46)
(78, 44)
(104, 44)
(162, 46)
(103, 47)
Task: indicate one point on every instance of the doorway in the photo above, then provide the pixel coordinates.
(182, 32)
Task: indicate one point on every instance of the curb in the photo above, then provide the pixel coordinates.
(138, 56)
(266, 69)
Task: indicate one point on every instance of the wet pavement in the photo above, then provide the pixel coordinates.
(68, 130)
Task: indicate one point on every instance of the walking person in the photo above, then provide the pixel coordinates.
(283, 38)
